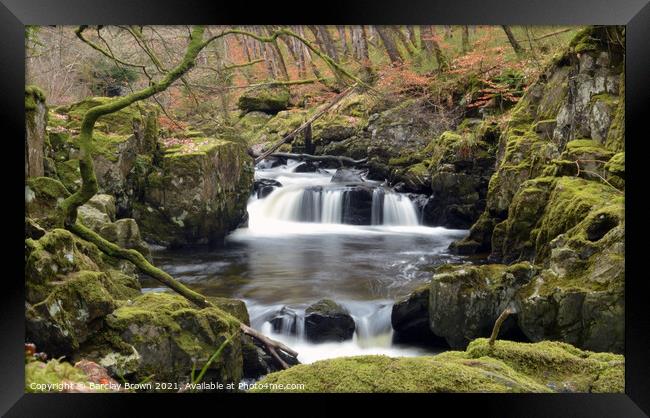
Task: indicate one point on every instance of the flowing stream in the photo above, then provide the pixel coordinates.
(357, 243)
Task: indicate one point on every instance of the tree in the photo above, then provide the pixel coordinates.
(465, 39)
(430, 43)
(513, 41)
(390, 45)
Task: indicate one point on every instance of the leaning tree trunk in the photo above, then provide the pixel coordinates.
(513, 41)
(389, 44)
(433, 48)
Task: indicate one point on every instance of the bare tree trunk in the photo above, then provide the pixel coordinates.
(406, 42)
(389, 44)
(343, 39)
(465, 40)
(513, 41)
(432, 46)
(413, 36)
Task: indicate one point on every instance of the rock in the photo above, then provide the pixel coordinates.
(171, 337)
(357, 205)
(35, 121)
(344, 175)
(104, 203)
(306, 167)
(70, 286)
(581, 95)
(505, 367)
(124, 141)
(465, 300)
(199, 194)
(268, 99)
(327, 321)
(42, 196)
(126, 234)
(410, 319)
(263, 187)
(92, 217)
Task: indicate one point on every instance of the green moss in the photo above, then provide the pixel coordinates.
(108, 145)
(54, 373)
(265, 99)
(557, 365)
(570, 202)
(121, 122)
(505, 367)
(616, 134)
(33, 95)
(616, 165)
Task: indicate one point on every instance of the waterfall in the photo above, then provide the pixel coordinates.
(377, 206)
(399, 210)
(332, 207)
(313, 198)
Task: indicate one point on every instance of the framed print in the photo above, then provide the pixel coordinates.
(374, 201)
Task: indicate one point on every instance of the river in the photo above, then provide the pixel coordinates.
(299, 247)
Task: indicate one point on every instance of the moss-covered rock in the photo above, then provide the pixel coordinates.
(269, 99)
(42, 197)
(506, 367)
(198, 195)
(549, 129)
(465, 300)
(170, 337)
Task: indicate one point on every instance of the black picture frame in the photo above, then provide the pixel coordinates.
(635, 14)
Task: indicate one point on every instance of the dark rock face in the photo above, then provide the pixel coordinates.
(328, 321)
(264, 187)
(410, 319)
(344, 175)
(357, 205)
(306, 167)
(466, 300)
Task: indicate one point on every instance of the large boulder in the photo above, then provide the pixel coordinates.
(70, 288)
(268, 99)
(35, 135)
(465, 300)
(164, 336)
(326, 320)
(125, 142)
(505, 367)
(198, 195)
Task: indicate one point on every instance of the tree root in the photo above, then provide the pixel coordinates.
(196, 298)
(497, 325)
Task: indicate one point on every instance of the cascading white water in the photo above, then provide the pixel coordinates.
(399, 210)
(332, 207)
(310, 197)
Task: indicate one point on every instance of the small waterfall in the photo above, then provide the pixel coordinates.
(313, 198)
(377, 206)
(399, 210)
(332, 207)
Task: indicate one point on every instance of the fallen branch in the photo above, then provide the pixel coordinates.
(497, 325)
(337, 158)
(299, 129)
